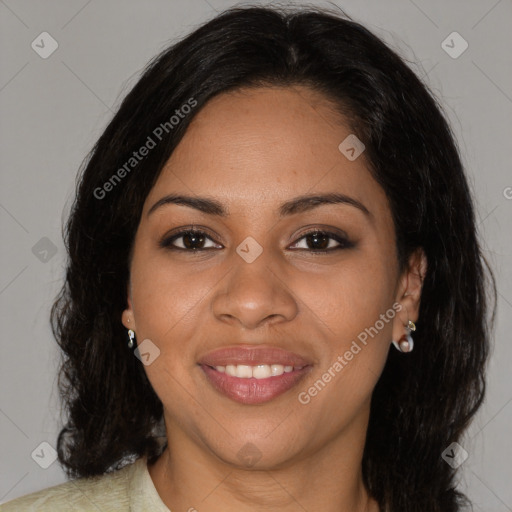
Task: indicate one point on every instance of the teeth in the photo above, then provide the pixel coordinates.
(276, 369)
(243, 371)
(260, 371)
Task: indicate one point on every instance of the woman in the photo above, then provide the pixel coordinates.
(275, 296)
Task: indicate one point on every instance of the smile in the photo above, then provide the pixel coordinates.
(254, 384)
(260, 371)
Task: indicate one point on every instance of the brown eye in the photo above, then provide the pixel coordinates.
(189, 240)
(323, 241)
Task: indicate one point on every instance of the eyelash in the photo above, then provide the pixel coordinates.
(166, 243)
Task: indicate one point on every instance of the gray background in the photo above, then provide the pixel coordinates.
(53, 110)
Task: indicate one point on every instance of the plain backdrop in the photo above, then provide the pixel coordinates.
(53, 109)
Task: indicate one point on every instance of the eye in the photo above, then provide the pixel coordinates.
(191, 240)
(320, 241)
(316, 241)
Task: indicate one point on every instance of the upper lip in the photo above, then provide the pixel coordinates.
(252, 356)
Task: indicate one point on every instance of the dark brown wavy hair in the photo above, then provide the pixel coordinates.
(422, 402)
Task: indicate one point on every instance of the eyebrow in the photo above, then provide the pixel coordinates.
(298, 204)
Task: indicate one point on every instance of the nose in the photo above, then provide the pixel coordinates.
(254, 294)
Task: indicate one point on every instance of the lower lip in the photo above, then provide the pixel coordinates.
(253, 391)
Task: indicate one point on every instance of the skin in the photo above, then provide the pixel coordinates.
(252, 150)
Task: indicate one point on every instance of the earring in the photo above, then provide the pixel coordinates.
(408, 344)
(131, 335)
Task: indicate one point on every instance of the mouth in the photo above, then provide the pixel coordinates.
(253, 387)
(251, 375)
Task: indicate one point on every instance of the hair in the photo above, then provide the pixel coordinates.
(422, 402)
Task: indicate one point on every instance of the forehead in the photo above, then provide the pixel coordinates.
(266, 144)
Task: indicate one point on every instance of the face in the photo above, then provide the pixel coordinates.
(315, 281)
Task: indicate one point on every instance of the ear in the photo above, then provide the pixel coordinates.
(409, 292)
(127, 317)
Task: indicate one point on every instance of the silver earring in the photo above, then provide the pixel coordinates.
(408, 344)
(131, 335)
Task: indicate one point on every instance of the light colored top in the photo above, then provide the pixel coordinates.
(127, 489)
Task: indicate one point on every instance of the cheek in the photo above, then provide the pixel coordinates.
(168, 304)
(355, 313)
(350, 297)
(168, 309)
(352, 307)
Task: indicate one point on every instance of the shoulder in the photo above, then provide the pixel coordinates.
(105, 492)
